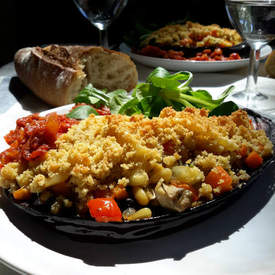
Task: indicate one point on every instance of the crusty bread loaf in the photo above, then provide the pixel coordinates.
(57, 73)
(270, 64)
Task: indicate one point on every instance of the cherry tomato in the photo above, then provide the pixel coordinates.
(104, 210)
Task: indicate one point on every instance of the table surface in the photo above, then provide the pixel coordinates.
(248, 246)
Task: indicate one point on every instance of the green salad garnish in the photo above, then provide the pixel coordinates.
(160, 90)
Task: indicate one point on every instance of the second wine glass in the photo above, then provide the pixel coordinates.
(255, 21)
(101, 13)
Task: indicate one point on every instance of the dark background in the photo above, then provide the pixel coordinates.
(30, 23)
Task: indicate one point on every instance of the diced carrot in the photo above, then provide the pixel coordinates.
(186, 186)
(218, 177)
(243, 151)
(253, 160)
(120, 193)
(22, 194)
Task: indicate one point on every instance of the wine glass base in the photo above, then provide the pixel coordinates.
(257, 102)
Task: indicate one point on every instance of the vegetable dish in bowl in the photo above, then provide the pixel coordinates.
(193, 41)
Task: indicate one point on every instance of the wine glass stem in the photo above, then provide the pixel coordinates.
(251, 84)
(103, 38)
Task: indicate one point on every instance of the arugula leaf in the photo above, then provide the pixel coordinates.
(200, 98)
(157, 106)
(225, 94)
(82, 112)
(130, 107)
(114, 100)
(91, 95)
(203, 94)
(146, 105)
(224, 109)
(117, 99)
(163, 79)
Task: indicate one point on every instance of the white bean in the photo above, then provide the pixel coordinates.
(139, 178)
(140, 195)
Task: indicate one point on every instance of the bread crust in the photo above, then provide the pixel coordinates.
(270, 64)
(57, 73)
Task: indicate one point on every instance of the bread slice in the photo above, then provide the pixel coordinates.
(56, 73)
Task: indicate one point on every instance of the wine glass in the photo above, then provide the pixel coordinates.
(101, 13)
(255, 21)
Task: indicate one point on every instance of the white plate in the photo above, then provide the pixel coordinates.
(237, 240)
(191, 65)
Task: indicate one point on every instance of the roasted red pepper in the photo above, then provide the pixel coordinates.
(104, 210)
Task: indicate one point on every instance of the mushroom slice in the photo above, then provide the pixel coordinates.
(172, 197)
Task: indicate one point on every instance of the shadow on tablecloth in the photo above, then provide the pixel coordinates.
(13, 91)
